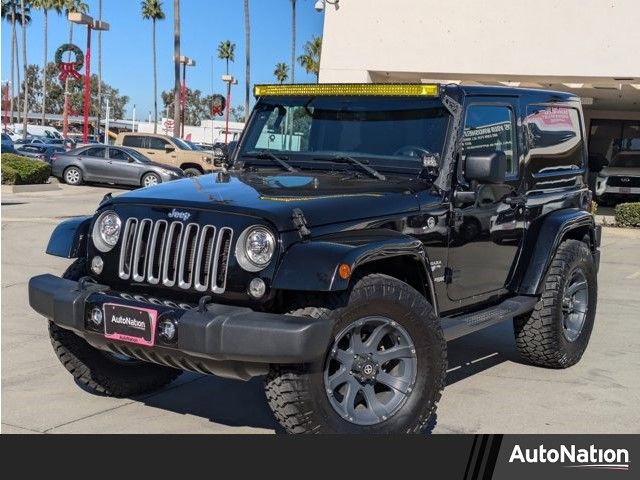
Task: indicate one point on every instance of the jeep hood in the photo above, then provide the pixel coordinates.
(324, 198)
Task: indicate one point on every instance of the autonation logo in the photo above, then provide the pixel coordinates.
(574, 457)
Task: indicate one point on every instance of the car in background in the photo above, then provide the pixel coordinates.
(40, 152)
(7, 144)
(169, 150)
(114, 165)
(619, 180)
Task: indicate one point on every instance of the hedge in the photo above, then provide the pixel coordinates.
(17, 170)
(628, 214)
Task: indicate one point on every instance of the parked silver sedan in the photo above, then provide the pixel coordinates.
(116, 165)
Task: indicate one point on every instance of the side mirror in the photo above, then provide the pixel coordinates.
(169, 148)
(489, 168)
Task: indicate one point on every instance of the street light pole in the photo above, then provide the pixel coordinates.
(186, 62)
(106, 123)
(87, 87)
(6, 106)
(228, 79)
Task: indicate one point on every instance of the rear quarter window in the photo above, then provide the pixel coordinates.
(134, 141)
(555, 141)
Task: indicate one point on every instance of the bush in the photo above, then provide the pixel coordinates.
(17, 170)
(628, 214)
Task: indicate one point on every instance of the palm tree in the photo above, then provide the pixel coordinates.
(281, 72)
(293, 41)
(45, 6)
(227, 52)
(11, 12)
(247, 71)
(176, 73)
(152, 10)
(310, 60)
(25, 99)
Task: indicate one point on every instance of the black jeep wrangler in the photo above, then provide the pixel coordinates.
(356, 230)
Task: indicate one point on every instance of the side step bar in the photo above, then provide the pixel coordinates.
(461, 325)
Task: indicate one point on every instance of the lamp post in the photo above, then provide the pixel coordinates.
(106, 120)
(82, 19)
(6, 106)
(229, 80)
(185, 62)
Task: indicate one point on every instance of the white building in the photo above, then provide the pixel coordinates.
(589, 47)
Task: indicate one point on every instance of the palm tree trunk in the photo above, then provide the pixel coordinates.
(227, 60)
(13, 64)
(44, 67)
(247, 39)
(18, 81)
(155, 82)
(176, 54)
(293, 41)
(24, 64)
(99, 120)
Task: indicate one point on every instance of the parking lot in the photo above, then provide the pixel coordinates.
(489, 389)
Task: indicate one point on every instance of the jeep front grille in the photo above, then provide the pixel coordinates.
(172, 253)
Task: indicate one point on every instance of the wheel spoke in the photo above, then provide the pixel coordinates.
(385, 356)
(356, 341)
(338, 378)
(344, 357)
(399, 384)
(373, 403)
(575, 287)
(376, 336)
(348, 402)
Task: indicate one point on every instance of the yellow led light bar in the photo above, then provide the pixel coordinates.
(349, 89)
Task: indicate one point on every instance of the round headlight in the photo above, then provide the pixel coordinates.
(106, 231)
(255, 248)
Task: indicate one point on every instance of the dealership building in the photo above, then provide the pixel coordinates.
(587, 47)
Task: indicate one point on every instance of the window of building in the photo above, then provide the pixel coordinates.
(489, 129)
(613, 142)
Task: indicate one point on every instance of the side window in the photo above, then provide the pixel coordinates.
(117, 154)
(96, 152)
(555, 140)
(156, 143)
(488, 129)
(133, 141)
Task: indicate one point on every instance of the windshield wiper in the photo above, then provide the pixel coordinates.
(263, 154)
(348, 159)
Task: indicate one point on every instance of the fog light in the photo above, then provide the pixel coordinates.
(257, 288)
(97, 264)
(96, 316)
(168, 330)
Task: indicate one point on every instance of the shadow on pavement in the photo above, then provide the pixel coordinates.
(228, 402)
(481, 351)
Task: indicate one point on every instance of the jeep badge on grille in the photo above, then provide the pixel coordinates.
(178, 215)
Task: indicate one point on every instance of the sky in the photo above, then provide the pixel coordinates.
(127, 47)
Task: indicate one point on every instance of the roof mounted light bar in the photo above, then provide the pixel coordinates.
(349, 89)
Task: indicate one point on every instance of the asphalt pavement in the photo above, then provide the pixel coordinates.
(489, 388)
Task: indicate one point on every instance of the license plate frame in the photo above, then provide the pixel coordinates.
(123, 323)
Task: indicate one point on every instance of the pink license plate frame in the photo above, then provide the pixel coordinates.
(152, 318)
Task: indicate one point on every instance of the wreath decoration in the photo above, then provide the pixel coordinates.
(69, 68)
(218, 105)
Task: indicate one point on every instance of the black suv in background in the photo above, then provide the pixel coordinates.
(359, 228)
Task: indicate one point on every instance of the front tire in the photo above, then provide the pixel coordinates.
(557, 332)
(72, 176)
(192, 172)
(150, 179)
(384, 372)
(101, 372)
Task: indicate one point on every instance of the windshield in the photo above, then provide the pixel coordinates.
(626, 160)
(386, 132)
(193, 146)
(181, 144)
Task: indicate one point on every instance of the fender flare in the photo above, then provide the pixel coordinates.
(69, 239)
(553, 229)
(313, 265)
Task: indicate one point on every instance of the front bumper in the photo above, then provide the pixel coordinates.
(215, 339)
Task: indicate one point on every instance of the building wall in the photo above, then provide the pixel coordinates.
(539, 38)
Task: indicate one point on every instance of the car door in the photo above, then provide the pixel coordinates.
(125, 169)
(161, 150)
(94, 164)
(486, 228)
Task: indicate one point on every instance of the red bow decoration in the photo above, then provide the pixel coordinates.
(66, 69)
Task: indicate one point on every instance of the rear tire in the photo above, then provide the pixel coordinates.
(72, 176)
(412, 357)
(192, 172)
(98, 371)
(555, 335)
